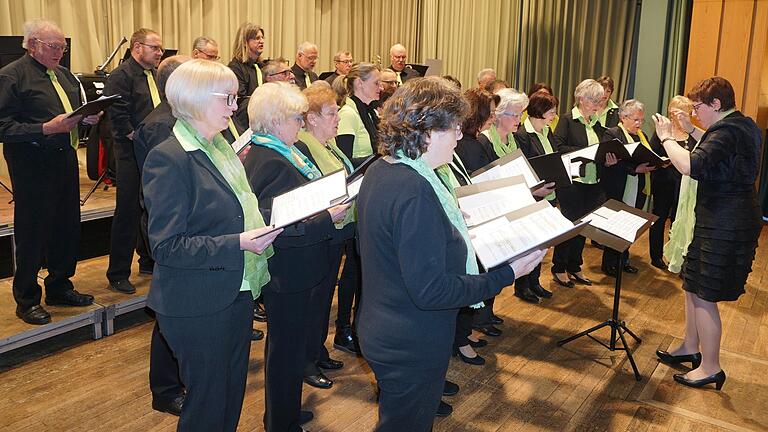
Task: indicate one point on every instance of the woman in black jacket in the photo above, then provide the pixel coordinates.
(418, 265)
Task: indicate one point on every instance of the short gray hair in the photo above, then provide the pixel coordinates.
(484, 73)
(304, 46)
(510, 97)
(589, 89)
(338, 55)
(284, 100)
(34, 27)
(630, 106)
(201, 42)
(166, 68)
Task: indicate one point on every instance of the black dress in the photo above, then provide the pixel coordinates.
(728, 221)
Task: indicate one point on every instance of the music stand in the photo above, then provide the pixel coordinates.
(621, 246)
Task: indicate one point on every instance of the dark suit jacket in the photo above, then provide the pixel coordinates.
(475, 153)
(247, 82)
(301, 251)
(529, 142)
(300, 75)
(408, 73)
(614, 178)
(155, 128)
(128, 81)
(571, 135)
(195, 221)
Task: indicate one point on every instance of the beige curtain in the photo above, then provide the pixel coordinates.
(564, 42)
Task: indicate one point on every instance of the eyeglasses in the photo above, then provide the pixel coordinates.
(285, 72)
(310, 58)
(231, 98)
(510, 114)
(156, 48)
(210, 56)
(393, 82)
(697, 105)
(56, 47)
(350, 61)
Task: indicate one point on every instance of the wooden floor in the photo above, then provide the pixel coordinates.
(527, 384)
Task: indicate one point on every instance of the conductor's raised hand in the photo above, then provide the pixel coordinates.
(663, 127)
(259, 239)
(524, 265)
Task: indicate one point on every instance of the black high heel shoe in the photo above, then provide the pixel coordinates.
(476, 360)
(566, 283)
(670, 359)
(718, 379)
(579, 279)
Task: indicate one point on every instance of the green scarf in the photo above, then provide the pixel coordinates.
(590, 175)
(681, 231)
(223, 157)
(499, 147)
(298, 160)
(448, 201)
(328, 157)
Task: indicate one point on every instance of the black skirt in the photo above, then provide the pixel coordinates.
(719, 258)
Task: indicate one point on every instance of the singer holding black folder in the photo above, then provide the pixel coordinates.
(576, 130)
(300, 264)
(419, 267)
(727, 224)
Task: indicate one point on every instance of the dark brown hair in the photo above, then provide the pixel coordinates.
(606, 82)
(539, 103)
(714, 88)
(479, 110)
(539, 86)
(418, 107)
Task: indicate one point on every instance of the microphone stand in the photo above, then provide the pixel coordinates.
(100, 70)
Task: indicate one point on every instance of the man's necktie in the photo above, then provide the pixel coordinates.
(152, 88)
(65, 103)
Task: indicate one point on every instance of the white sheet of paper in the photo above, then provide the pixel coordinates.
(588, 152)
(516, 167)
(631, 147)
(619, 223)
(307, 200)
(354, 188)
(485, 206)
(571, 167)
(243, 141)
(500, 239)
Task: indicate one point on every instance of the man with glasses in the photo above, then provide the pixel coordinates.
(40, 142)
(342, 61)
(135, 81)
(205, 48)
(306, 58)
(398, 56)
(388, 85)
(278, 70)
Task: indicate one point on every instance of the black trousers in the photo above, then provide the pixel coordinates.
(463, 327)
(213, 360)
(320, 299)
(164, 380)
(575, 201)
(407, 405)
(126, 233)
(665, 196)
(285, 357)
(482, 317)
(350, 285)
(46, 218)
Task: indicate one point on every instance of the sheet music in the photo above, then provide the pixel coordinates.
(619, 223)
(498, 240)
(354, 188)
(518, 166)
(588, 152)
(484, 206)
(242, 141)
(631, 147)
(307, 200)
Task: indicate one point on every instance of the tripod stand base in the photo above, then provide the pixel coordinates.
(617, 328)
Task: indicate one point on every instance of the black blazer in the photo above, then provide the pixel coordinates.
(129, 81)
(300, 75)
(612, 118)
(614, 178)
(475, 153)
(571, 135)
(407, 73)
(414, 275)
(247, 82)
(195, 221)
(301, 251)
(155, 128)
(529, 142)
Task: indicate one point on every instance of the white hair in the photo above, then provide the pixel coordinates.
(589, 89)
(484, 73)
(631, 106)
(304, 46)
(33, 28)
(201, 42)
(509, 97)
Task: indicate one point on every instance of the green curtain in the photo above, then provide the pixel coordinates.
(677, 51)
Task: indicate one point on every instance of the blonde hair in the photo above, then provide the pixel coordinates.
(360, 71)
(283, 99)
(588, 89)
(681, 103)
(245, 32)
(189, 87)
(318, 95)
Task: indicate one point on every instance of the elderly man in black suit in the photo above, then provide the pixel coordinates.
(398, 56)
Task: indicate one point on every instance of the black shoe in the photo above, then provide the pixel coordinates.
(526, 295)
(496, 320)
(35, 315)
(718, 379)
(172, 406)
(629, 268)
(476, 360)
(320, 381)
(610, 271)
(257, 334)
(450, 389)
(330, 364)
(566, 283)
(670, 359)
(579, 279)
(259, 314)
(305, 417)
(345, 340)
(479, 344)
(659, 263)
(540, 291)
(488, 330)
(69, 298)
(123, 286)
(148, 270)
(443, 410)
